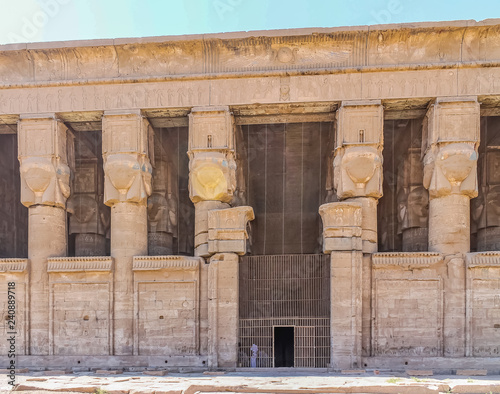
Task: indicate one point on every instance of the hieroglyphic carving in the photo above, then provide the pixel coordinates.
(394, 331)
(429, 83)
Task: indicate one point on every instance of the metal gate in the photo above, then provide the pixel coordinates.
(285, 290)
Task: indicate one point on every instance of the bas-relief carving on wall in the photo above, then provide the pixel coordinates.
(162, 206)
(485, 209)
(347, 86)
(429, 83)
(413, 203)
(276, 53)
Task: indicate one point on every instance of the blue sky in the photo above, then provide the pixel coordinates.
(56, 20)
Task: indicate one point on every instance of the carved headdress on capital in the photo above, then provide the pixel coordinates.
(126, 146)
(46, 157)
(358, 150)
(449, 147)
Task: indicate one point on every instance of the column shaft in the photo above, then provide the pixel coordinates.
(46, 238)
(449, 224)
(201, 225)
(127, 186)
(44, 156)
(129, 238)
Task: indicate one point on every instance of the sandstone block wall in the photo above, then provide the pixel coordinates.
(80, 306)
(167, 305)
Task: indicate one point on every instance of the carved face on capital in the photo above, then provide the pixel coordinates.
(212, 178)
(451, 168)
(44, 180)
(127, 178)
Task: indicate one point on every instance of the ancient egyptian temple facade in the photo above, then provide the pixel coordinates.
(315, 198)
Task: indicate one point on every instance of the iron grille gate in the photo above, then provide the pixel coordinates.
(285, 290)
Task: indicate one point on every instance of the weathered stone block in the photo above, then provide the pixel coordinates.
(227, 229)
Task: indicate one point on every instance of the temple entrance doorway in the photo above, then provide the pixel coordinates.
(284, 346)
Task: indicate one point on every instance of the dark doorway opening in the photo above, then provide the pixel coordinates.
(284, 346)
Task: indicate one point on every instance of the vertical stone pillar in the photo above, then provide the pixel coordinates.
(342, 239)
(450, 141)
(223, 310)
(227, 238)
(358, 178)
(212, 167)
(127, 185)
(45, 152)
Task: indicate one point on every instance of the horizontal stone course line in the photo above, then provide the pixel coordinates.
(249, 74)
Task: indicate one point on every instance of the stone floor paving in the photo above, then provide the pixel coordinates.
(247, 382)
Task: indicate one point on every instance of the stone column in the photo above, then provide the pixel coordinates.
(45, 152)
(227, 239)
(358, 178)
(127, 185)
(450, 141)
(212, 167)
(342, 239)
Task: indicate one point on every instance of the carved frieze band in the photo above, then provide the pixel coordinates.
(80, 264)
(287, 51)
(13, 265)
(482, 259)
(153, 263)
(421, 259)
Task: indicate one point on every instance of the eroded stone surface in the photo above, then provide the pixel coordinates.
(430, 302)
